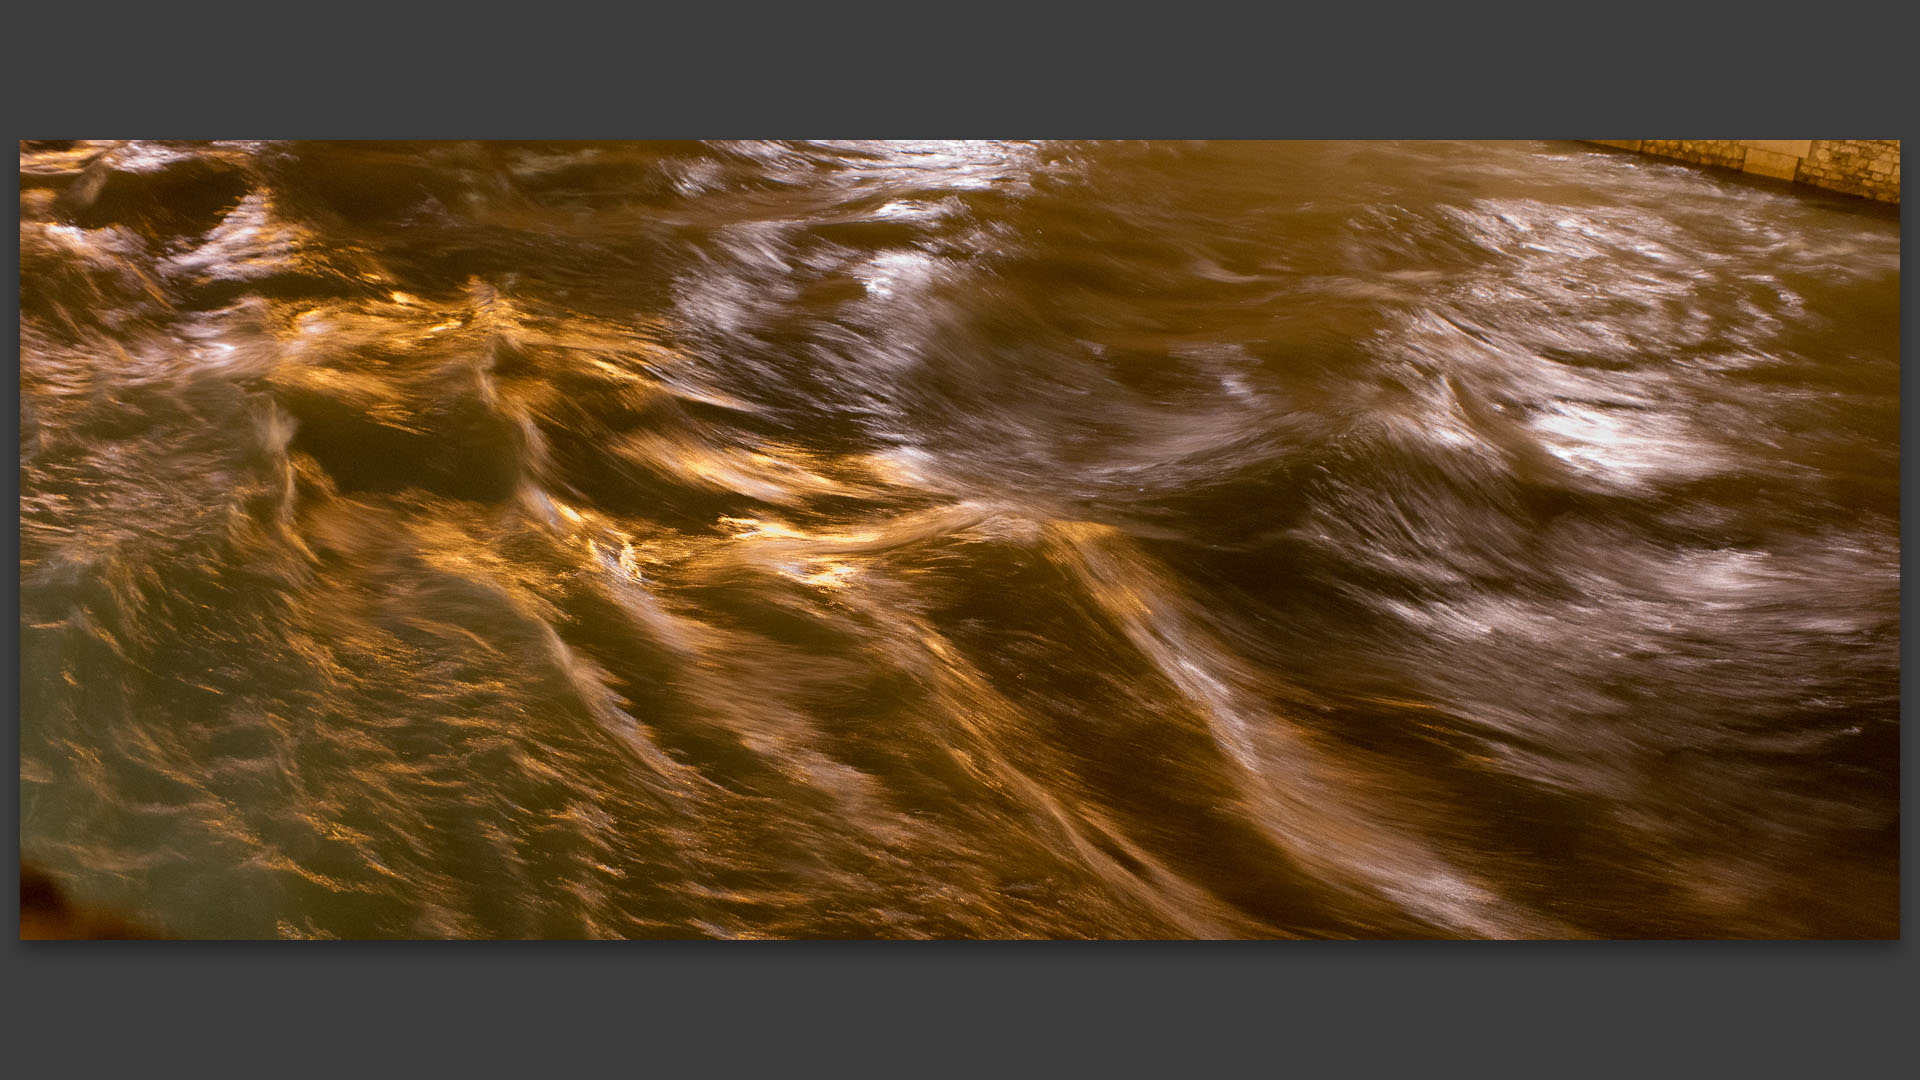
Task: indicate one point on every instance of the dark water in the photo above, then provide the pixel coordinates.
(888, 540)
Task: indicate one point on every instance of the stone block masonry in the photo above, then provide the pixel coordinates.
(1866, 167)
(1857, 166)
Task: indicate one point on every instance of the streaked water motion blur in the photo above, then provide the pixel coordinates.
(956, 540)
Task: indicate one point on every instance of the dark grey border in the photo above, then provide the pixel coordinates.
(1708, 1009)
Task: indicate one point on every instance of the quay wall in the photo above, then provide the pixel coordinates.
(1869, 168)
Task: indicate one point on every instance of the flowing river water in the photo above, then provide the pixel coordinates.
(971, 540)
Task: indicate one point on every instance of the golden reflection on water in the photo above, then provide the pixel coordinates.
(947, 539)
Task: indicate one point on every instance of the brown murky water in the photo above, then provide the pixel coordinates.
(956, 540)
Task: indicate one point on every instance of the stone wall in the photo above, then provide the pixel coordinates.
(1866, 167)
(1722, 152)
(1869, 167)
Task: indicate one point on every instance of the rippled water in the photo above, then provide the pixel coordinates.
(977, 540)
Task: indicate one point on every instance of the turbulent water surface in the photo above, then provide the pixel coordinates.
(956, 540)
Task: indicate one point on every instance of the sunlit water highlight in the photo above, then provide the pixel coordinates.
(957, 540)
